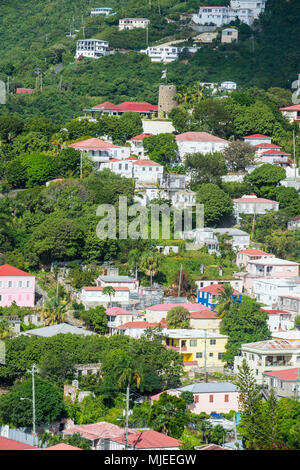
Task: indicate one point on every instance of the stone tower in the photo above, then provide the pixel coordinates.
(166, 100)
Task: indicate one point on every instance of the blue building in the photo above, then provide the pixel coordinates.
(208, 296)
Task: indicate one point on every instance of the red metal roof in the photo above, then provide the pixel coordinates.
(257, 136)
(272, 311)
(141, 137)
(296, 107)
(149, 440)
(11, 444)
(275, 152)
(10, 271)
(287, 374)
(93, 143)
(253, 252)
(96, 430)
(117, 311)
(203, 314)
(106, 106)
(217, 289)
(265, 145)
(199, 137)
(62, 446)
(145, 163)
(255, 200)
(139, 107)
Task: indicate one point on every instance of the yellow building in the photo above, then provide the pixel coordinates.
(202, 350)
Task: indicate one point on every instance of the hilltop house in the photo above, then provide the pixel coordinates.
(102, 11)
(118, 281)
(229, 35)
(156, 313)
(202, 142)
(132, 23)
(144, 171)
(144, 109)
(244, 256)
(268, 290)
(163, 54)
(257, 139)
(245, 10)
(136, 144)
(284, 383)
(92, 48)
(291, 113)
(93, 296)
(16, 286)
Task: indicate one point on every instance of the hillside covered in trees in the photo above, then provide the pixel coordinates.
(34, 42)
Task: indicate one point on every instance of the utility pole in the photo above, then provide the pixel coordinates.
(33, 405)
(7, 86)
(294, 152)
(179, 284)
(147, 35)
(127, 417)
(83, 27)
(81, 164)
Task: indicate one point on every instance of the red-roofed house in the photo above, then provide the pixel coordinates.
(256, 139)
(135, 329)
(244, 256)
(292, 113)
(194, 142)
(136, 144)
(285, 383)
(16, 286)
(11, 444)
(101, 151)
(250, 205)
(278, 320)
(208, 296)
(146, 440)
(276, 157)
(99, 434)
(119, 316)
(156, 313)
(143, 108)
(144, 171)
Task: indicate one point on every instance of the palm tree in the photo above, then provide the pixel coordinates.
(53, 312)
(225, 300)
(109, 290)
(149, 264)
(6, 330)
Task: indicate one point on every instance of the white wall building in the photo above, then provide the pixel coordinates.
(222, 15)
(163, 54)
(132, 23)
(240, 240)
(102, 11)
(92, 48)
(252, 205)
(268, 291)
(203, 142)
(101, 151)
(155, 126)
(257, 6)
(118, 281)
(144, 171)
(91, 296)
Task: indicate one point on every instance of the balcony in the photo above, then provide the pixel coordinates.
(190, 363)
(176, 348)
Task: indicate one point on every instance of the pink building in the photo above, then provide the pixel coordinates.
(270, 268)
(158, 312)
(210, 397)
(16, 286)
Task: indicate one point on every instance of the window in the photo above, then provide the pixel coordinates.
(226, 398)
(0, 298)
(220, 356)
(212, 341)
(211, 354)
(28, 284)
(1, 284)
(19, 283)
(196, 398)
(211, 398)
(199, 355)
(10, 284)
(193, 342)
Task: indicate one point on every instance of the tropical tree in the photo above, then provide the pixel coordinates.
(6, 330)
(53, 311)
(169, 415)
(178, 317)
(109, 290)
(149, 264)
(225, 299)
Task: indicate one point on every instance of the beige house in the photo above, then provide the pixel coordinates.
(270, 355)
(201, 349)
(229, 35)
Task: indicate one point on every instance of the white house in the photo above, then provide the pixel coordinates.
(163, 54)
(118, 281)
(132, 23)
(92, 48)
(156, 126)
(276, 157)
(253, 205)
(279, 320)
(228, 86)
(268, 291)
(256, 139)
(202, 142)
(136, 144)
(291, 113)
(144, 171)
(209, 237)
(101, 151)
(220, 16)
(91, 296)
(229, 35)
(257, 6)
(294, 223)
(102, 11)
